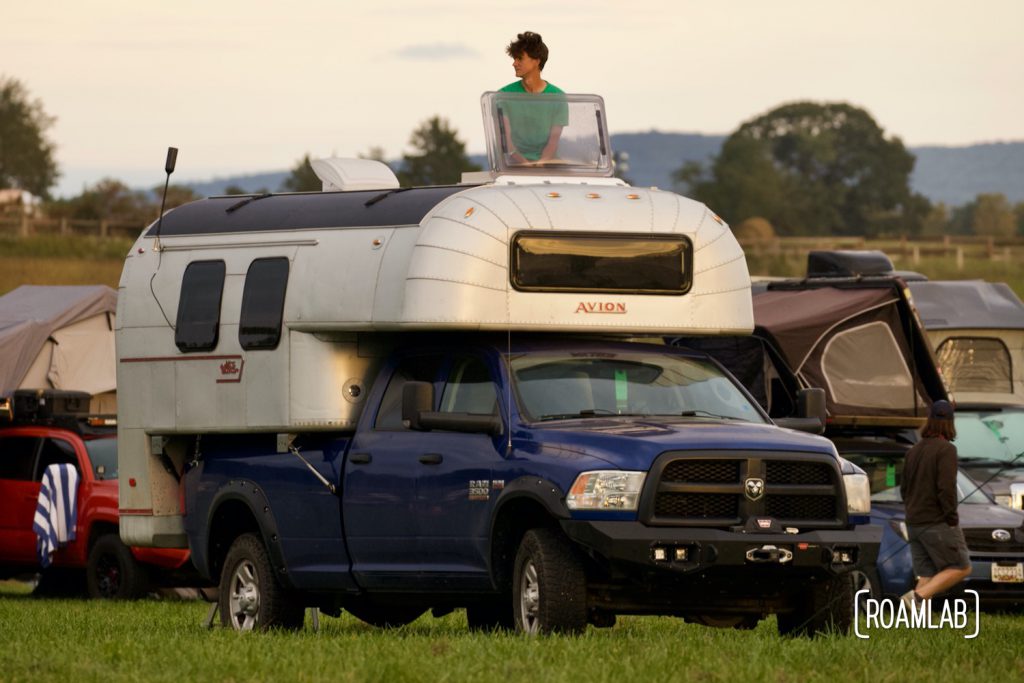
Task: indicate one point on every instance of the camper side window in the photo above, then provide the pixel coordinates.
(199, 306)
(259, 326)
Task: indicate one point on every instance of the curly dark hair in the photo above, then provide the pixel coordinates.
(529, 43)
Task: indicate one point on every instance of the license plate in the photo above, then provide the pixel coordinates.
(1013, 573)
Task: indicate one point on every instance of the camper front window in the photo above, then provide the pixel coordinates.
(598, 262)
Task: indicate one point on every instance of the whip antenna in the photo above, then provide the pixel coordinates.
(172, 158)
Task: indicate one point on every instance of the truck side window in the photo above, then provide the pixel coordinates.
(259, 326)
(17, 457)
(469, 389)
(199, 306)
(55, 452)
(411, 369)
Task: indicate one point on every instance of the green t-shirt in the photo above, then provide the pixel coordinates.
(531, 122)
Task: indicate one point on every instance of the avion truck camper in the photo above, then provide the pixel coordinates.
(391, 400)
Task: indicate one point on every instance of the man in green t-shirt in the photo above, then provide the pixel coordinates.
(532, 128)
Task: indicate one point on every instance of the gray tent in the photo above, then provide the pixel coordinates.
(60, 338)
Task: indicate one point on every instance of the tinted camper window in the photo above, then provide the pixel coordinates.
(263, 303)
(590, 262)
(199, 306)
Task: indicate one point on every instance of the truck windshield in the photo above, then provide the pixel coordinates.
(991, 435)
(552, 385)
(103, 456)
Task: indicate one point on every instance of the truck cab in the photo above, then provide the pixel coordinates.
(390, 400)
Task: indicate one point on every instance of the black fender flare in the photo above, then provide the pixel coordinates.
(250, 494)
(538, 489)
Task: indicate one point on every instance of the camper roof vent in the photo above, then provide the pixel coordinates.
(337, 173)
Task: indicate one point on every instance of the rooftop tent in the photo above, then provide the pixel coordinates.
(861, 342)
(60, 338)
(977, 329)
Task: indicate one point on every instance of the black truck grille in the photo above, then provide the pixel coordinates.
(697, 505)
(693, 490)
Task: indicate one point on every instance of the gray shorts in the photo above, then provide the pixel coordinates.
(935, 547)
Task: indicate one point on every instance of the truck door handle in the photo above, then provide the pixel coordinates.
(360, 458)
(431, 458)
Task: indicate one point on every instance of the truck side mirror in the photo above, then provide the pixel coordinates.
(810, 412)
(417, 398)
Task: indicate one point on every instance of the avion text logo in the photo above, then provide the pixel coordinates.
(601, 307)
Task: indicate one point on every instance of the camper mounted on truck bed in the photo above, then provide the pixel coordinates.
(388, 400)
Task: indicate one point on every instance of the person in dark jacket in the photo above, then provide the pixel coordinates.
(930, 496)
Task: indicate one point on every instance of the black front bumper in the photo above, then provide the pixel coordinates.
(632, 546)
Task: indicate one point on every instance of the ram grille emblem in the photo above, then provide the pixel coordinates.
(1001, 535)
(753, 488)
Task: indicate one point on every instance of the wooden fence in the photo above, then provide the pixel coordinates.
(903, 251)
(27, 226)
(906, 252)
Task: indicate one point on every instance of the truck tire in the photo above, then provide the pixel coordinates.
(491, 615)
(113, 573)
(867, 579)
(251, 598)
(825, 607)
(549, 586)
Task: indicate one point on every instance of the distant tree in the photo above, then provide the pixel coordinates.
(754, 228)
(303, 178)
(439, 157)
(176, 196)
(235, 189)
(1019, 210)
(375, 153)
(107, 199)
(993, 216)
(937, 221)
(620, 166)
(812, 169)
(26, 155)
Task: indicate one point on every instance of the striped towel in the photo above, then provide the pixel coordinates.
(56, 510)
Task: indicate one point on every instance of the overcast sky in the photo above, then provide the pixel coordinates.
(244, 87)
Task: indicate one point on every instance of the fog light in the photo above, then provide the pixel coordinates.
(842, 556)
(681, 554)
(660, 554)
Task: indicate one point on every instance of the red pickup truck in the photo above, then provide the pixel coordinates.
(111, 569)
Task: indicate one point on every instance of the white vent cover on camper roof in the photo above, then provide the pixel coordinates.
(353, 174)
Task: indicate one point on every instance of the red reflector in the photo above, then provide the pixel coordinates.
(801, 546)
(131, 482)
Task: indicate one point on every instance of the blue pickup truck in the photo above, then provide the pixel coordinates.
(539, 483)
(388, 400)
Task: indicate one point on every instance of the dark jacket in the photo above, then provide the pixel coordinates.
(929, 483)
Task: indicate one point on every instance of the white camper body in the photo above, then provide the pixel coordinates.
(362, 265)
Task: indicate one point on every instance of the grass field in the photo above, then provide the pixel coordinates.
(43, 640)
(54, 260)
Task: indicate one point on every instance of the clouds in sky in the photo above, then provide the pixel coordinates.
(435, 52)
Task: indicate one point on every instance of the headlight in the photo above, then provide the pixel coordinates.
(606, 490)
(1005, 500)
(858, 494)
(900, 527)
